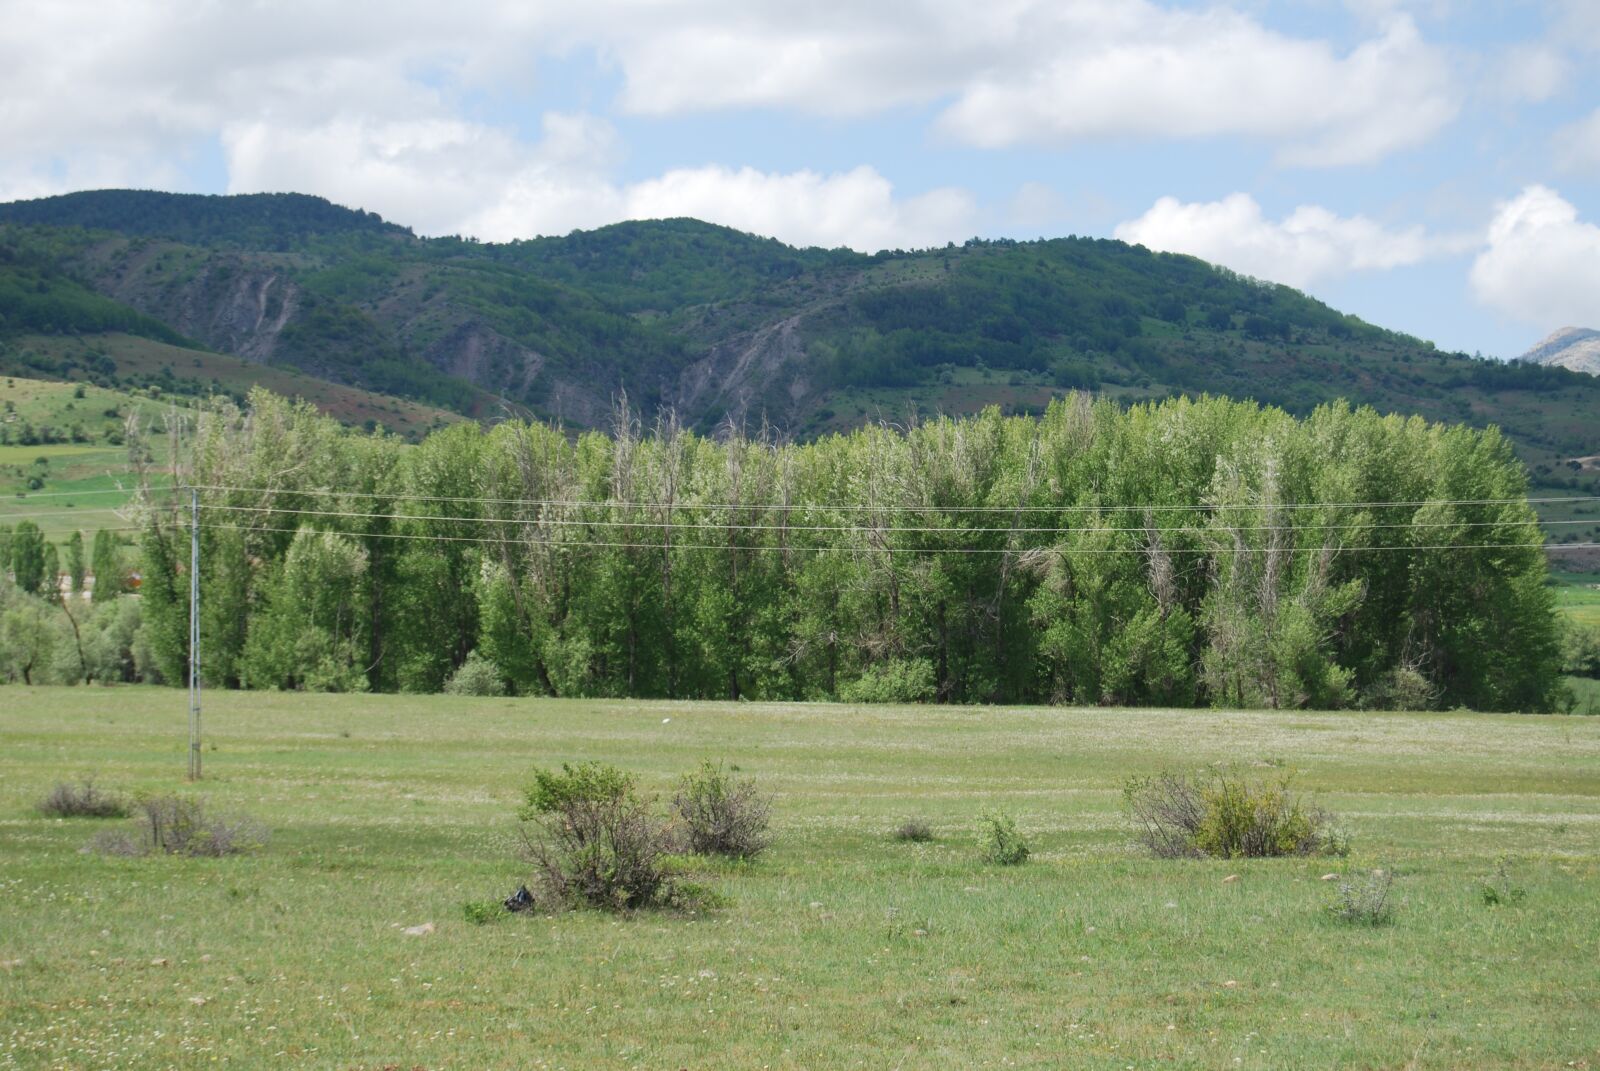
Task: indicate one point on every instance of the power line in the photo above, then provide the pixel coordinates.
(105, 491)
(860, 507)
(579, 522)
(800, 549)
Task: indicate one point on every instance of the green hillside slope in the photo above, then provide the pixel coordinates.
(721, 325)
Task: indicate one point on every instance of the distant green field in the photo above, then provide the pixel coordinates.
(1578, 596)
(143, 358)
(840, 947)
(80, 485)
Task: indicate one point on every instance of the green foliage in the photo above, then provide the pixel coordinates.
(28, 557)
(476, 676)
(1500, 889)
(106, 564)
(75, 562)
(899, 680)
(482, 912)
(1002, 844)
(595, 841)
(1188, 552)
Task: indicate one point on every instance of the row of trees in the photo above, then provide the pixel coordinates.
(37, 566)
(1188, 552)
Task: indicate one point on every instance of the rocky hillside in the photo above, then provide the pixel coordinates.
(1577, 348)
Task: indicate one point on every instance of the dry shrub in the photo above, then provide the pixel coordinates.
(594, 842)
(1365, 901)
(175, 825)
(1227, 815)
(914, 831)
(82, 800)
(722, 815)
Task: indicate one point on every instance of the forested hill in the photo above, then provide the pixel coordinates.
(716, 324)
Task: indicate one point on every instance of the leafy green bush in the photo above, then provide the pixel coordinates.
(595, 842)
(722, 815)
(899, 680)
(1003, 845)
(1226, 815)
(481, 912)
(477, 676)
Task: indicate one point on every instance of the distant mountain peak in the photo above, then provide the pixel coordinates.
(1577, 348)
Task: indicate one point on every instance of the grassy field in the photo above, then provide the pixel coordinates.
(841, 947)
(1578, 596)
(137, 357)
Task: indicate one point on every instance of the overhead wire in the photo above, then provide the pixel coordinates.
(663, 546)
(713, 526)
(867, 507)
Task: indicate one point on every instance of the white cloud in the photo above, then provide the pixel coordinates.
(855, 208)
(1542, 264)
(1309, 245)
(143, 80)
(1152, 72)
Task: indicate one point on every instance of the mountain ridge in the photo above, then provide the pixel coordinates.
(719, 325)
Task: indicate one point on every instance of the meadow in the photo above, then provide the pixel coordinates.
(840, 947)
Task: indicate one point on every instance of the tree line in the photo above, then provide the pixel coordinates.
(1182, 553)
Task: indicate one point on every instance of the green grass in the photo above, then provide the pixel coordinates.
(1586, 695)
(393, 811)
(141, 358)
(1578, 596)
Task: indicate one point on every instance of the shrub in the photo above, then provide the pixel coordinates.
(481, 912)
(477, 676)
(595, 842)
(83, 800)
(907, 680)
(722, 815)
(176, 825)
(1366, 901)
(1227, 816)
(1002, 844)
(914, 831)
(1498, 889)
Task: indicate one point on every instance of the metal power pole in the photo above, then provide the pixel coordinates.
(194, 634)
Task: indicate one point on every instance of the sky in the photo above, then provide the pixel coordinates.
(1432, 166)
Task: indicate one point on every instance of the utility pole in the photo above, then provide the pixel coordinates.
(194, 634)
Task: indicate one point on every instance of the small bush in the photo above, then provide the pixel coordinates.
(82, 800)
(1499, 889)
(1002, 844)
(909, 680)
(914, 831)
(1367, 901)
(595, 842)
(1228, 816)
(722, 815)
(481, 912)
(175, 825)
(477, 676)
